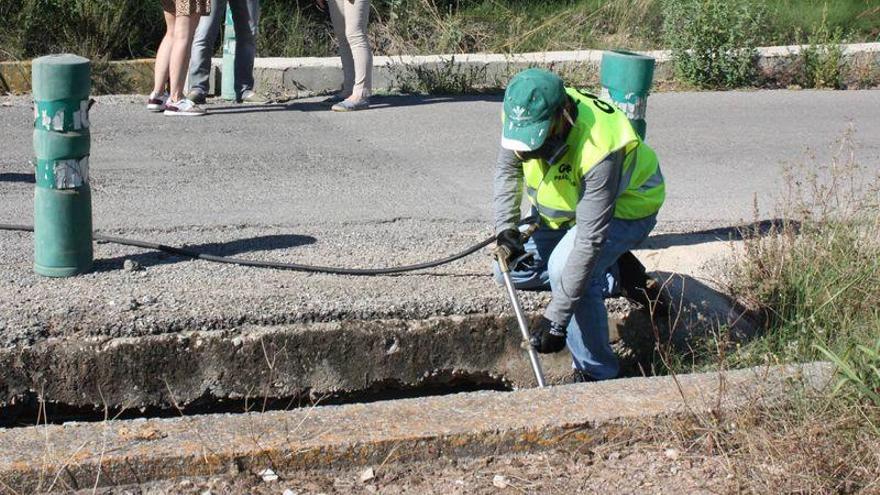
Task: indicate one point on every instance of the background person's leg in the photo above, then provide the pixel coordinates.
(246, 16)
(203, 47)
(163, 56)
(357, 15)
(184, 27)
(337, 17)
(588, 330)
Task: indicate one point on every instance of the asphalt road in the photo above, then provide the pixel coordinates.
(405, 182)
(417, 158)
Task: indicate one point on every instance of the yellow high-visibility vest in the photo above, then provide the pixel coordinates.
(600, 129)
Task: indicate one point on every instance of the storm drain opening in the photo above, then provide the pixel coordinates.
(34, 411)
(263, 368)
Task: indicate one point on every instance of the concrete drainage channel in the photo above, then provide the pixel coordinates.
(279, 367)
(226, 401)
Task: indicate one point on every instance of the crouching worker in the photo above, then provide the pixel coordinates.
(596, 188)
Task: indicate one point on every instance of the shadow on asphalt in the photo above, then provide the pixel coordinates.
(16, 177)
(231, 248)
(733, 233)
(377, 102)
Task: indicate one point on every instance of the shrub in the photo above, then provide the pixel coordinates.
(822, 58)
(713, 42)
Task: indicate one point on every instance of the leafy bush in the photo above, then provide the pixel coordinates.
(713, 42)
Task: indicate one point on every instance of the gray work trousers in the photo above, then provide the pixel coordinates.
(246, 17)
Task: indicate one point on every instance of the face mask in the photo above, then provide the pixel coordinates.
(553, 149)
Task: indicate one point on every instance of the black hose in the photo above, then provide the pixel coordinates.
(268, 264)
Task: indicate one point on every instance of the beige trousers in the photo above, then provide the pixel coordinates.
(350, 25)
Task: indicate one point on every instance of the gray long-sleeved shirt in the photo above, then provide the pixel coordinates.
(593, 213)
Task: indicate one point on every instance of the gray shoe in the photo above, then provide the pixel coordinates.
(196, 96)
(333, 99)
(350, 106)
(250, 96)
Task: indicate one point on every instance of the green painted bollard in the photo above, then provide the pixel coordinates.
(227, 81)
(626, 79)
(62, 198)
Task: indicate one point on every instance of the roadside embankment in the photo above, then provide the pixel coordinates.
(778, 67)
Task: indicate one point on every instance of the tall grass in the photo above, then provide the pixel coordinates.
(293, 28)
(104, 29)
(817, 276)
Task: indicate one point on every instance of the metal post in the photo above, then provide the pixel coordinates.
(62, 197)
(502, 255)
(523, 327)
(626, 79)
(227, 80)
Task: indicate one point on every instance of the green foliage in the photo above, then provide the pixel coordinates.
(110, 29)
(822, 58)
(713, 42)
(786, 18)
(293, 28)
(859, 369)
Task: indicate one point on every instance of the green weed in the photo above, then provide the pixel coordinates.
(822, 58)
(444, 77)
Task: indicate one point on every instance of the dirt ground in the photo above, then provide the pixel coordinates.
(626, 469)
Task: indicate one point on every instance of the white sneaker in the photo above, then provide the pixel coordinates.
(184, 107)
(157, 102)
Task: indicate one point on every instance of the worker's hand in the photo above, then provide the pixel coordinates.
(548, 337)
(321, 4)
(511, 241)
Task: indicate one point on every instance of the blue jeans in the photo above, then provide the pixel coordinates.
(588, 329)
(246, 17)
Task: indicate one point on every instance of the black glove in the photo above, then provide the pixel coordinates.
(511, 239)
(548, 337)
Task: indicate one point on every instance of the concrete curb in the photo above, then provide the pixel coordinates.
(71, 456)
(308, 76)
(123, 76)
(779, 66)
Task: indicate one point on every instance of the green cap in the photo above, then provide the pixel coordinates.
(531, 101)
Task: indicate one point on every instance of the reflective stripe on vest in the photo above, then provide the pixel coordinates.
(600, 130)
